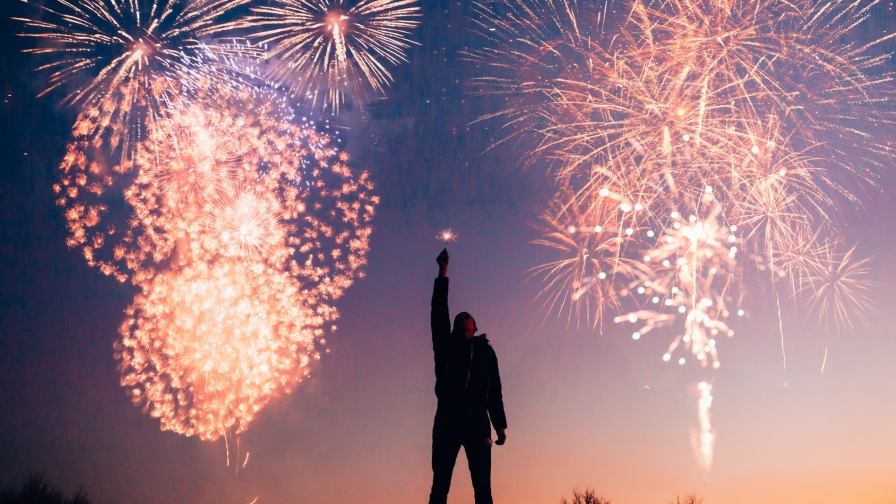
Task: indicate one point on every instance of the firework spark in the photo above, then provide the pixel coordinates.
(329, 48)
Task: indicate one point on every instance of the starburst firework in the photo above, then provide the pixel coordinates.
(326, 49)
(125, 59)
(246, 224)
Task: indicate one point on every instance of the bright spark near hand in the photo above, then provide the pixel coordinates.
(447, 235)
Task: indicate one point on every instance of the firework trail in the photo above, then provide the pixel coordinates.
(701, 150)
(327, 49)
(704, 440)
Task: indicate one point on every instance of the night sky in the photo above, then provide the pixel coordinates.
(584, 409)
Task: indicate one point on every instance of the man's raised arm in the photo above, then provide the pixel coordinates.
(439, 319)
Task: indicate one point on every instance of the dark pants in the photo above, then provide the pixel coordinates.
(451, 430)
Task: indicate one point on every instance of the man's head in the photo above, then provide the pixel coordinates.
(465, 324)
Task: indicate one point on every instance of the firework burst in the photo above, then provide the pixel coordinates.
(246, 224)
(700, 148)
(125, 59)
(205, 173)
(203, 349)
(840, 287)
(676, 105)
(241, 231)
(692, 265)
(590, 233)
(329, 48)
(657, 74)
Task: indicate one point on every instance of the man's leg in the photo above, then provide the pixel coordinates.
(445, 445)
(478, 447)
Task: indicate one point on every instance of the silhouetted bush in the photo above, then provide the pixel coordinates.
(587, 497)
(687, 499)
(36, 490)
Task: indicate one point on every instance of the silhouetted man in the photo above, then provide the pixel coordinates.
(468, 387)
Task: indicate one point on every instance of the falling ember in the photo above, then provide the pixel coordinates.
(704, 440)
(447, 235)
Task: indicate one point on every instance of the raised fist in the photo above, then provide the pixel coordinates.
(443, 263)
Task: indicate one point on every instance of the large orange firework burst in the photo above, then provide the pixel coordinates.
(241, 231)
(696, 144)
(190, 177)
(772, 112)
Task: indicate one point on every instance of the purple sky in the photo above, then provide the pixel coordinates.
(584, 409)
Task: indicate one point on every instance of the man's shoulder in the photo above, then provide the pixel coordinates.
(483, 342)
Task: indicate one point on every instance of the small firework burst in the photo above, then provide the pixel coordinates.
(125, 59)
(329, 48)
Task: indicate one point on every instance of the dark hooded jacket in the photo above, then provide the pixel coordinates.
(467, 375)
